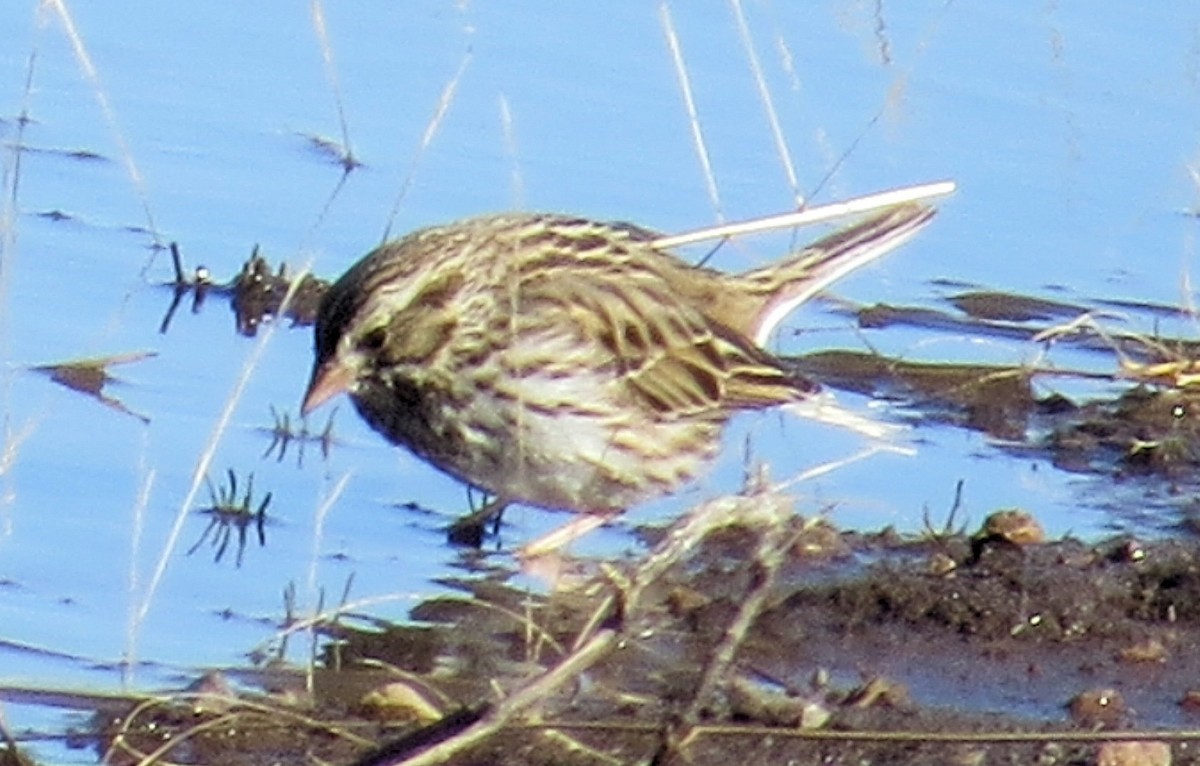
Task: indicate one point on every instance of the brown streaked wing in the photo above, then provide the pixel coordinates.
(671, 358)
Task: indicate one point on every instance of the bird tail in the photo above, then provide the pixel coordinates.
(788, 283)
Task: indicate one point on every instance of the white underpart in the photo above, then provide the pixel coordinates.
(568, 448)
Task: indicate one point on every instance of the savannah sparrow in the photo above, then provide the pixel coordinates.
(563, 362)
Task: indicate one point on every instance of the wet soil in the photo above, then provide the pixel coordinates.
(748, 633)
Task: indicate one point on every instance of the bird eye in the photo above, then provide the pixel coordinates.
(374, 340)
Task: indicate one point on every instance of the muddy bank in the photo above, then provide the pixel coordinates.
(748, 633)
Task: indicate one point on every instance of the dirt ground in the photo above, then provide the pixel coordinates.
(746, 633)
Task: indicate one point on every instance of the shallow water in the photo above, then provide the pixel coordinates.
(1069, 130)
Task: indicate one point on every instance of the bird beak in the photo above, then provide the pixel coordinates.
(328, 380)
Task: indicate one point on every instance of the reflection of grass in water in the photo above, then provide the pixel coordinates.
(60, 11)
(91, 74)
(229, 513)
(147, 588)
(14, 436)
(689, 102)
(892, 101)
(78, 377)
(764, 95)
(204, 460)
(90, 377)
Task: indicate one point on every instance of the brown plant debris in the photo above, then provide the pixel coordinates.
(90, 377)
